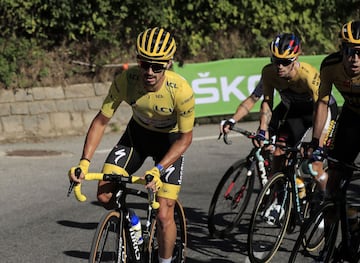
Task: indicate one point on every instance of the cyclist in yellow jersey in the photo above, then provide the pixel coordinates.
(297, 84)
(341, 69)
(161, 128)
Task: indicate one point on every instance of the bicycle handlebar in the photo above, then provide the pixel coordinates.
(250, 135)
(122, 179)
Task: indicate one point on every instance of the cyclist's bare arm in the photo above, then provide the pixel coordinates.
(92, 140)
(242, 110)
(265, 115)
(94, 135)
(245, 107)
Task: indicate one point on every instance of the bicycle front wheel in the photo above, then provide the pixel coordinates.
(109, 243)
(179, 253)
(269, 219)
(311, 230)
(230, 199)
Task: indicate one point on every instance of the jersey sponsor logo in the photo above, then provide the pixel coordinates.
(119, 154)
(163, 109)
(316, 80)
(134, 240)
(210, 89)
(171, 84)
(187, 112)
(328, 140)
(168, 172)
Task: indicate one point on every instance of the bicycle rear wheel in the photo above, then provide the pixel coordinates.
(311, 230)
(108, 244)
(230, 199)
(179, 253)
(266, 232)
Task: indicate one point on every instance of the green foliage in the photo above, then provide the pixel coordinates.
(103, 31)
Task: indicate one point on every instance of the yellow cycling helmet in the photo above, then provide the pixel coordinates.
(285, 46)
(350, 32)
(155, 44)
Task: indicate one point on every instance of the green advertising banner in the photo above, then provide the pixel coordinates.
(220, 86)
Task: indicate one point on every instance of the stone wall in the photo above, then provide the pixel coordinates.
(45, 112)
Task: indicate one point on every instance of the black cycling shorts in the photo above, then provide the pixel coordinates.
(138, 143)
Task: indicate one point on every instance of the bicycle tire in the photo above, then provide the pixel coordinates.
(264, 239)
(106, 242)
(310, 206)
(310, 229)
(230, 199)
(179, 253)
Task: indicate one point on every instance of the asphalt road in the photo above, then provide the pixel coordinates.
(40, 224)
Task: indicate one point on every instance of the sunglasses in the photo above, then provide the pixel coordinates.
(282, 61)
(156, 67)
(350, 51)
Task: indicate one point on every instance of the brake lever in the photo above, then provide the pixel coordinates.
(72, 183)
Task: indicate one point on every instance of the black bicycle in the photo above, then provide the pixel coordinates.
(279, 209)
(114, 239)
(337, 246)
(235, 188)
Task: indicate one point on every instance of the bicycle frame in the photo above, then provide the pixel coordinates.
(254, 158)
(293, 164)
(256, 167)
(290, 171)
(136, 250)
(294, 161)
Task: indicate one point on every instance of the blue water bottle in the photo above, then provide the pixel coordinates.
(135, 226)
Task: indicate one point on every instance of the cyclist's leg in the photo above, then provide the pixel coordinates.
(276, 125)
(292, 125)
(166, 228)
(290, 132)
(326, 137)
(167, 196)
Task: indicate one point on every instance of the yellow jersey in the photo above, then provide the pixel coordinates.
(333, 72)
(304, 87)
(170, 109)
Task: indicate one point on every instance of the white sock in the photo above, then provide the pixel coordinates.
(165, 260)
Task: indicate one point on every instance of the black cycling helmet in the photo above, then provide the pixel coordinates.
(285, 46)
(155, 44)
(350, 33)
